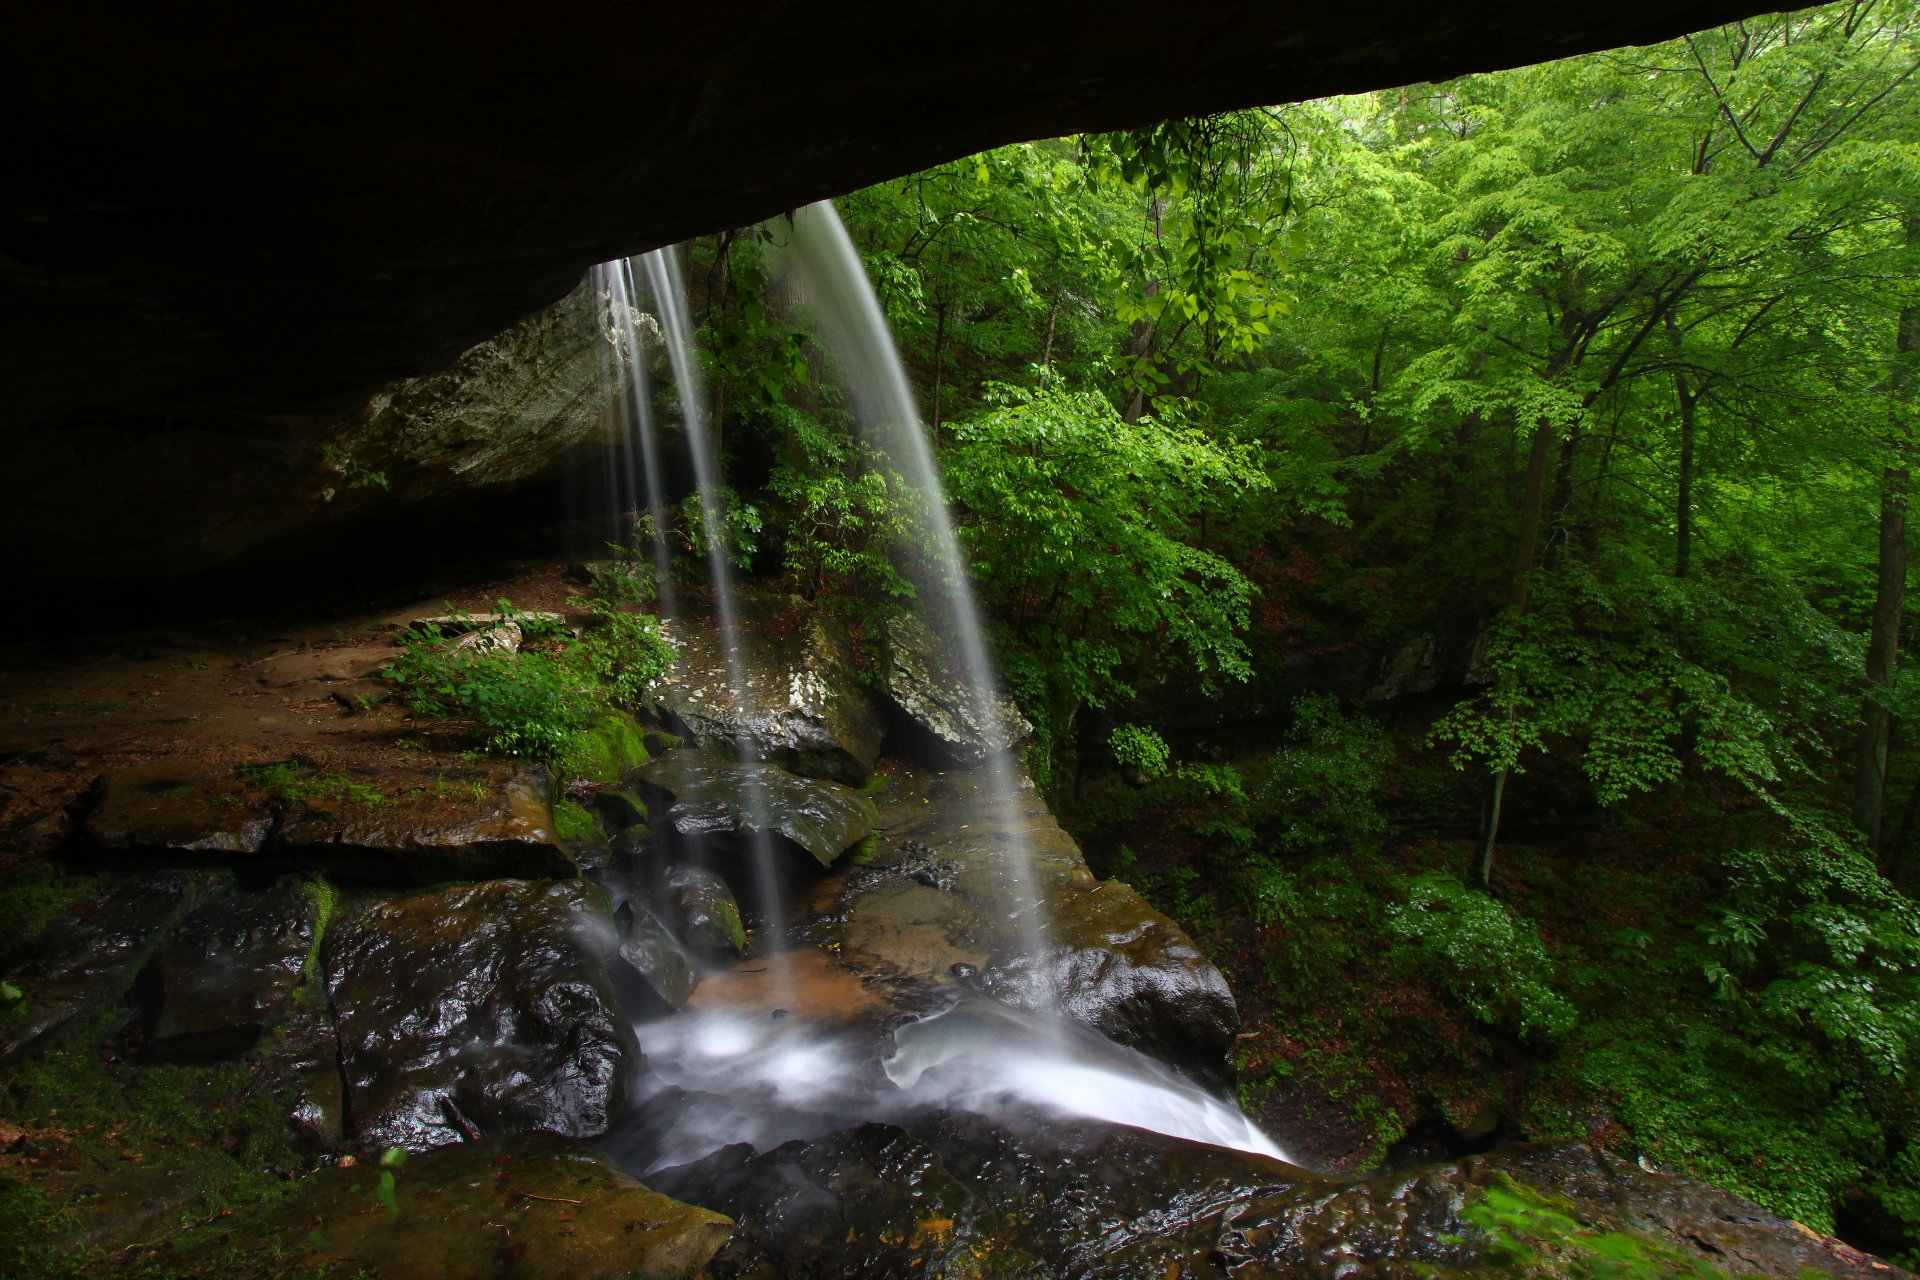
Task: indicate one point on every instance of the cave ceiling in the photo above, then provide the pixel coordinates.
(216, 209)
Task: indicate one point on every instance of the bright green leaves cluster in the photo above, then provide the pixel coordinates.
(1482, 954)
(1084, 537)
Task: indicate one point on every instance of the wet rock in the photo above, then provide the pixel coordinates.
(873, 1201)
(226, 974)
(86, 956)
(195, 811)
(668, 971)
(422, 826)
(714, 797)
(324, 665)
(944, 905)
(482, 1009)
(930, 687)
(1547, 1208)
(804, 706)
(533, 1207)
(1115, 964)
(702, 910)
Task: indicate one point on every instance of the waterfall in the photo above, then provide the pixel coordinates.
(636, 448)
(849, 313)
(739, 1077)
(669, 289)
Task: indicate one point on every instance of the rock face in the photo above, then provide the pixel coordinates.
(658, 960)
(930, 689)
(227, 973)
(713, 797)
(1115, 964)
(477, 1010)
(805, 708)
(533, 1207)
(87, 956)
(192, 810)
(518, 406)
(422, 826)
(940, 1194)
(930, 910)
(703, 910)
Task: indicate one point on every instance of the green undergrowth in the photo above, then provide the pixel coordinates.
(299, 782)
(1692, 984)
(547, 701)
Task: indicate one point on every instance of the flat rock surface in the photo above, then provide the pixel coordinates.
(532, 1207)
(711, 796)
(181, 807)
(420, 825)
(481, 1009)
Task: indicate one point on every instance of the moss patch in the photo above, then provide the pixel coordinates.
(606, 750)
(575, 825)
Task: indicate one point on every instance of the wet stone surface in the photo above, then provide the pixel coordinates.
(712, 797)
(929, 910)
(930, 690)
(804, 707)
(421, 826)
(226, 974)
(477, 1010)
(197, 812)
(702, 911)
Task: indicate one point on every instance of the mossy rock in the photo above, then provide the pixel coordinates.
(535, 1207)
(607, 750)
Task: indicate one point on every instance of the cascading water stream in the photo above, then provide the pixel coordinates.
(737, 1076)
(844, 303)
(662, 268)
(633, 476)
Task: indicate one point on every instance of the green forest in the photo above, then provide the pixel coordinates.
(1451, 545)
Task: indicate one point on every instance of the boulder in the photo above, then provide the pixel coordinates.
(945, 906)
(930, 688)
(712, 797)
(803, 705)
(703, 911)
(532, 1207)
(1544, 1209)
(195, 811)
(669, 973)
(226, 974)
(85, 957)
(422, 826)
(476, 1010)
(1113, 963)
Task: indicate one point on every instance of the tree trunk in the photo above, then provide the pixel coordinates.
(1046, 350)
(1883, 656)
(1890, 592)
(939, 361)
(1683, 501)
(1532, 510)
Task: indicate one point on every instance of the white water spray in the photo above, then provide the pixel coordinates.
(844, 303)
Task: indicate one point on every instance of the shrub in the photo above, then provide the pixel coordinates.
(1481, 954)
